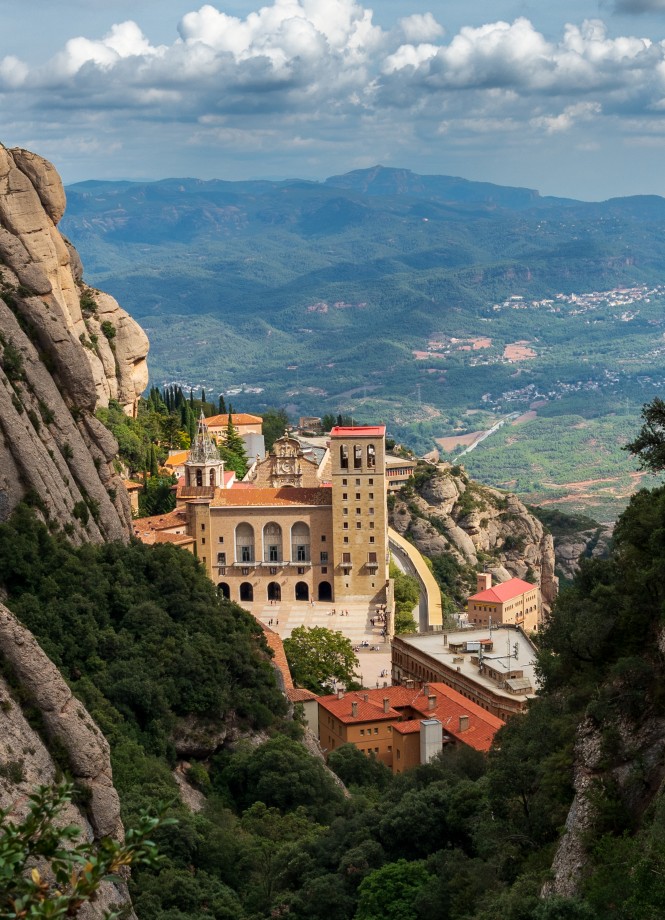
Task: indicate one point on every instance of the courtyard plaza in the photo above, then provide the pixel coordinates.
(283, 617)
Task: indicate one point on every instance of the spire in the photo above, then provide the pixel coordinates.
(203, 449)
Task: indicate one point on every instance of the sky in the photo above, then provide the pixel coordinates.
(564, 97)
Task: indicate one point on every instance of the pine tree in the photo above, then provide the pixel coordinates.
(203, 396)
(222, 405)
(154, 467)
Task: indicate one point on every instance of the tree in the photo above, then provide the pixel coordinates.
(390, 893)
(222, 405)
(649, 445)
(407, 595)
(317, 655)
(67, 874)
(275, 422)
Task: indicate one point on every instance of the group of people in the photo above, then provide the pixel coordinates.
(342, 613)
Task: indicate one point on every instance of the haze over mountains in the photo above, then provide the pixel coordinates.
(402, 297)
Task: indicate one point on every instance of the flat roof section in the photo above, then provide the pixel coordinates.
(358, 431)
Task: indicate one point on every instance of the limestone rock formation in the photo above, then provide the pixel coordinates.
(65, 350)
(475, 524)
(25, 761)
(569, 548)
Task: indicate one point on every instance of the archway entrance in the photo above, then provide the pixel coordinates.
(224, 590)
(325, 591)
(302, 591)
(274, 591)
(246, 591)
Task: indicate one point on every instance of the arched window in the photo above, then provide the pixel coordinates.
(199, 477)
(344, 457)
(300, 542)
(244, 543)
(246, 591)
(274, 591)
(272, 543)
(357, 457)
(302, 591)
(224, 590)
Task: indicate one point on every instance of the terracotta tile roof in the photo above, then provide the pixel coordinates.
(286, 495)
(366, 711)
(239, 418)
(177, 459)
(300, 695)
(358, 431)
(504, 592)
(449, 705)
(277, 646)
(160, 522)
(132, 486)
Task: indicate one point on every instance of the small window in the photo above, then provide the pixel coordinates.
(358, 510)
(357, 482)
(357, 496)
(346, 539)
(344, 481)
(324, 569)
(345, 510)
(371, 525)
(324, 556)
(362, 731)
(203, 539)
(370, 481)
(371, 496)
(371, 539)
(371, 510)
(345, 496)
(345, 525)
(376, 750)
(376, 732)
(323, 538)
(203, 526)
(359, 524)
(221, 539)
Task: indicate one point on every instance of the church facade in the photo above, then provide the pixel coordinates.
(296, 530)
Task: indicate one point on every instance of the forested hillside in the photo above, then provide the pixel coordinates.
(143, 639)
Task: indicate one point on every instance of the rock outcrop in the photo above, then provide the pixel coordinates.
(65, 350)
(594, 543)
(475, 524)
(25, 761)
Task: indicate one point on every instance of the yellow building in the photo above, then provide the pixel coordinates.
(512, 603)
(287, 535)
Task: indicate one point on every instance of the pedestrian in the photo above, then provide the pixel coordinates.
(277, 623)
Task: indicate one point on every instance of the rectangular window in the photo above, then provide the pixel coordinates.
(357, 496)
(362, 731)
(345, 510)
(221, 558)
(371, 539)
(203, 539)
(359, 524)
(346, 539)
(324, 556)
(221, 539)
(358, 510)
(371, 496)
(323, 538)
(357, 482)
(376, 731)
(346, 557)
(371, 525)
(344, 481)
(345, 496)
(371, 510)
(324, 569)
(203, 526)
(345, 525)
(370, 481)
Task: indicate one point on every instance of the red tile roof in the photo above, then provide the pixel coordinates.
(504, 592)
(286, 495)
(449, 705)
(358, 431)
(160, 522)
(300, 695)
(279, 659)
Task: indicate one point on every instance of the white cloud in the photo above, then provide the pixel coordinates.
(420, 27)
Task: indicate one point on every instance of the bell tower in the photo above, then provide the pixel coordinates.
(360, 514)
(204, 466)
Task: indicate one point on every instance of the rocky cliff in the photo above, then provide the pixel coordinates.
(25, 758)
(65, 350)
(447, 514)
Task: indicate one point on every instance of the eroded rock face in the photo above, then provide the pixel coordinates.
(59, 362)
(25, 757)
(475, 523)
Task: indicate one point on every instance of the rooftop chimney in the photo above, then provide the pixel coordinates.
(366, 697)
(386, 704)
(483, 581)
(431, 701)
(354, 710)
(426, 689)
(463, 723)
(340, 694)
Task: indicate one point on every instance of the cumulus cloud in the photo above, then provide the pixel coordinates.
(299, 74)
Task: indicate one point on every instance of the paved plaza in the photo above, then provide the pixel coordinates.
(283, 617)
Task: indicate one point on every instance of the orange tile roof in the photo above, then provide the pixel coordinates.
(160, 522)
(504, 592)
(196, 491)
(366, 711)
(286, 495)
(177, 459)
(178, 539)
(300, 695)
(238, 418)
(132, 486)
(277, 646)
(448, 707)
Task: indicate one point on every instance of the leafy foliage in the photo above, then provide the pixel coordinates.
(318, 656)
